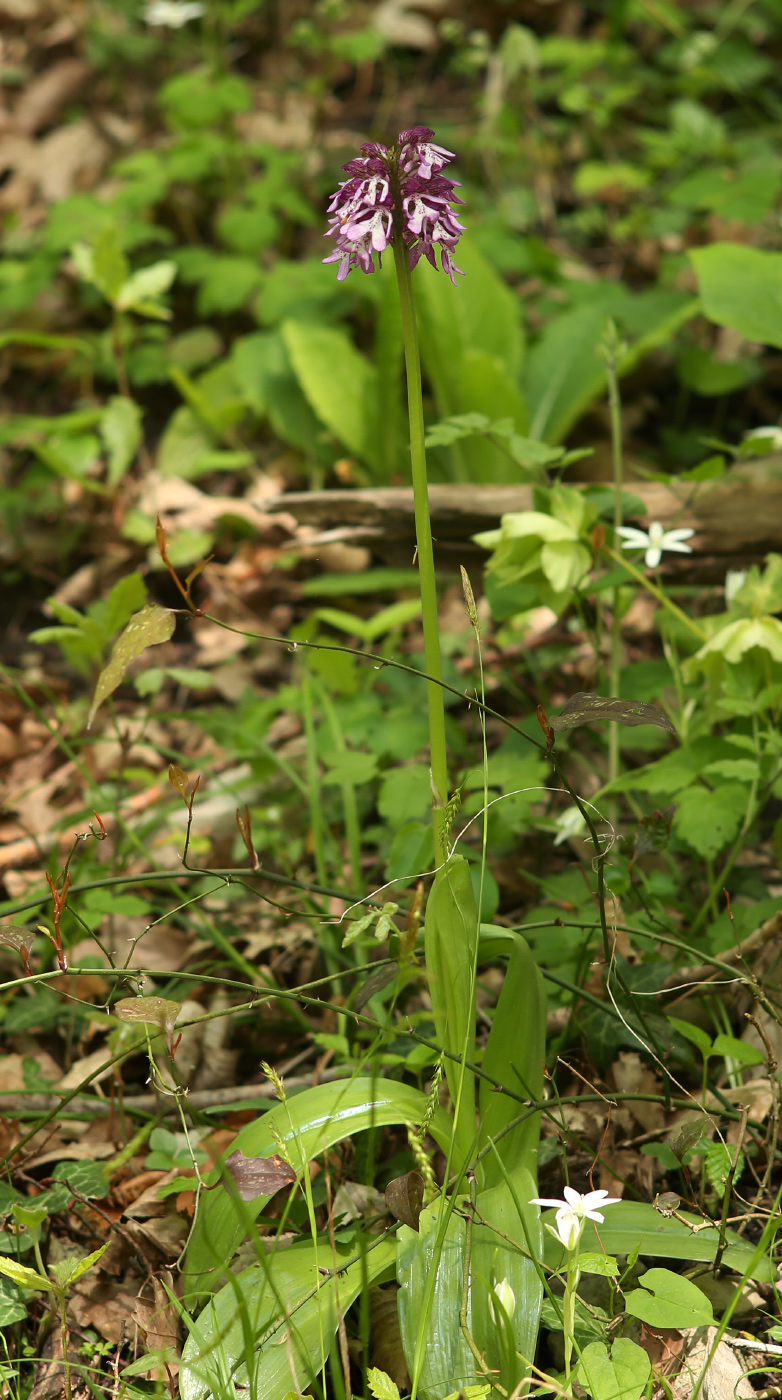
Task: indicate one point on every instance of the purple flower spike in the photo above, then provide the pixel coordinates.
(396, 191)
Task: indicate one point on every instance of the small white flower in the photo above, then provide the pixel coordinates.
(770, 431)
(569, 823)
(734, 580)
(503, 1294)
(172, 14)
(574, 1211)
(655, 540)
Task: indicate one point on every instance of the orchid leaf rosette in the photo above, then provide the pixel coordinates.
(396, 193)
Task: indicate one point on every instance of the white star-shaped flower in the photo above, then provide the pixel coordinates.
(173, 14)
(574, 1211)
(655, 540)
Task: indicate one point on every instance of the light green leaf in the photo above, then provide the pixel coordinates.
(564, 564)
(120, 428)
(734, 1049)
(565, 374)
(707, 820)
(666, 1299)
(741, 287)
(621, 1374)
(66, 1271)
(381, 1385)
(694, 1034)
(141, 290)
(339, 383)
(350, 767)
(603, 1264)
(514, 1055)
(149, 627)
(307, 1125)
(103, 263)
(450, 938)
(26, 1278)
(634, 1225)
(282, 1316)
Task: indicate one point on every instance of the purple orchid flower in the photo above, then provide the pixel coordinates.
(391, 191)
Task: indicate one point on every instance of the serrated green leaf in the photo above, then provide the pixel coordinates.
(149, 627)
(381, 1385)
(26, 1278)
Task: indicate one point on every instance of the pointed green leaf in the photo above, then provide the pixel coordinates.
(271, 1329)
(148, 628)
(26, 1278)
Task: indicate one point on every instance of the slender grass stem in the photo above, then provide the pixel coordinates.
(423, 531)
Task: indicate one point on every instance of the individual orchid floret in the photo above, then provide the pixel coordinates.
(573, 1213)
(502, 1301)
(395, 192)
(655, 541)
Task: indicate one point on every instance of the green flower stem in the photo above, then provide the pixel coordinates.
(615, 411)
(423, 531)
(569, 1312)
(656, 592)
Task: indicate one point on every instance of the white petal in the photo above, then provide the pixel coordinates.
(634, 539)
(573, 1198)
(676, 548)
(546, 1201)
(684, 534)
(656, 533)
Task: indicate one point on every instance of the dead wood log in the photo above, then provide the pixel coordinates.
(737, 518)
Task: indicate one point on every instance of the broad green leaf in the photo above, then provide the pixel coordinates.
(270, 1329)
(734, 1049)
(149, 627)
(430, 1271)
(741, 287)
(472, 349)
(694, 1034)
(339, 383)
(707, 820)
(450, 939)
(665, 1299)
(619, 1375)
(514, 1056)
(564, 372)
(718, 1164)
(120, 429)
(128, 596)
(632, 1225)
(306, 1125)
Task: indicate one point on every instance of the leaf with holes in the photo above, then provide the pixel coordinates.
(152, 1011)
(259, 1176)
(585, 708)
(147, 628)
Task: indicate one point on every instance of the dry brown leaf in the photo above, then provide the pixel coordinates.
(12, 1070)
(103, 1303)
(631, 1075)
(158, 1319)
(724, 1378)
(47, 94)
